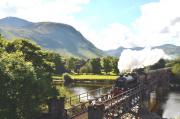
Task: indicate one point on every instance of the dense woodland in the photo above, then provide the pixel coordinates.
(25, 82)
(26, 72)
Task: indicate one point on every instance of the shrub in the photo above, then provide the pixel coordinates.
(67, 78)
(176, 70)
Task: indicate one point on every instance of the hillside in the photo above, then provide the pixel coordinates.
(58, 37)
(169, 49)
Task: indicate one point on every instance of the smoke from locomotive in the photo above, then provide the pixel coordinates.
(132, 59)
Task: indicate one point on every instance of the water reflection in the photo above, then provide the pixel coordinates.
(85, 87)
(171, 108)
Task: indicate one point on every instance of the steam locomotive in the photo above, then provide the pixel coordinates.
(128, 81)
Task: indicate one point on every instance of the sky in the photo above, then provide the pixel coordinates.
(108, 24)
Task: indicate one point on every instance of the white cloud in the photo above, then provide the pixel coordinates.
(40, 10)
(113, 36)
(156, 23)
(110, 37)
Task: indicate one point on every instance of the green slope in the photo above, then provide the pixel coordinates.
(58, 37)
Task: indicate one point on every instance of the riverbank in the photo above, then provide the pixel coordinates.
(88, 78)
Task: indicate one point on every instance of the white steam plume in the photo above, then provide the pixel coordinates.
(132, 59)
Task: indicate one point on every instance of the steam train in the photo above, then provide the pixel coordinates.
(128, 81)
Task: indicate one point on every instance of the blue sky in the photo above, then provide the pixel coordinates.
(108, 24)
(102, 12)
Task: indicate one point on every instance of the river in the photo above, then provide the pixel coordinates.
(85, 87)
(171, 106)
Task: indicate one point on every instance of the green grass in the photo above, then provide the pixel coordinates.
(95, 77)
(89, 77)
(57, 77)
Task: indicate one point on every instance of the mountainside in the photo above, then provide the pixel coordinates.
(169, 49)
(58, 37)
(117, 52)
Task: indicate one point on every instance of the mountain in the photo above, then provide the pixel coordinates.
(169, 49)
(14, 22)
(117, 52)
(58, 37)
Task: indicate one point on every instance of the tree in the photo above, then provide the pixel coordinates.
(71, 63)
(67, 79)
(33, 53)
(115, 65)
(25, 82)
(78, 65)
(160, 64)
(176, 70)
(3, 43)
(58, 62)
(87, 68)
(106, 64)
(96, 65)
(171, 63)
(22, 90)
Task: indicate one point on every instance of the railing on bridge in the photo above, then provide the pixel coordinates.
(122, 103)
(78, 104)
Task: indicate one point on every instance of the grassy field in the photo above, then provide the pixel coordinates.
(89, 77)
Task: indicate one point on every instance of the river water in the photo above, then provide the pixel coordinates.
(171, 106)
(85, 87)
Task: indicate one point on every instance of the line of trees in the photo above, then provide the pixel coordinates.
(92, 66)
(98, 65)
